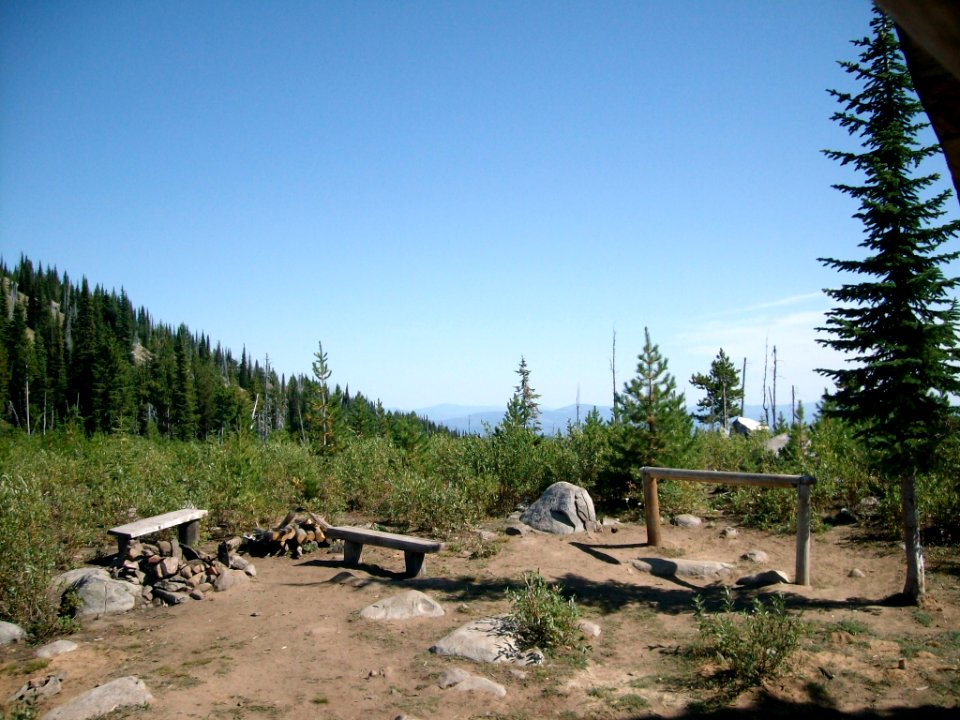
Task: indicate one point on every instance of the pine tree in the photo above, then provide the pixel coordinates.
(523, 411)
(898, 326)
(658, 426)
(723, 391)
(324, 408)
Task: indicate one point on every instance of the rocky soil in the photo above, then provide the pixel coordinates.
(293, 642)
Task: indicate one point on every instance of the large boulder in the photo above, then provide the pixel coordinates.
(490, 640)
(11, 633)
(119, 694)
(563, 509)
(96, 593)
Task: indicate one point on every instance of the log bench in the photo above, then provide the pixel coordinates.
(354, 538)
(187, 522)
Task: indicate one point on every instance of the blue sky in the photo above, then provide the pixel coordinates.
(434, 189)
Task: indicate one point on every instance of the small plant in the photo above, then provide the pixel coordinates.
(541, 616)
(852, 626)
(754, 643)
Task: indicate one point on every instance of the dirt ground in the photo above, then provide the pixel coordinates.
(291, 643)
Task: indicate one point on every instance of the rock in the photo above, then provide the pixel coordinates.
(38, 689)
(590, 629)
(700, 569)
(856, 573)
(58, 647)
(167, 567)
(230, 579)
(168, 597)
(768, 577)
(196, 594)
(486, 536)
(464, 681)
(755, 556)
(99, 594)
(518, 530)
(134, 550)
(125, 692)
(729, 533)
(241, 563)
(11, 633)
(686, 521)
(165, 547)
(487, 640)
(410, 604)
(563, 508)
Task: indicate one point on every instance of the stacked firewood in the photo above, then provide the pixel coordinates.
(294, 532)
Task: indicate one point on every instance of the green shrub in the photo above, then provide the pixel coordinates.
(753, 644)
(541, 616)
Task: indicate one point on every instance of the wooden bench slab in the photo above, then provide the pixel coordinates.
(354, 538)
(186, 521)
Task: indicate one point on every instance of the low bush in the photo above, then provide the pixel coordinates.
(542, 617)
(753, 644)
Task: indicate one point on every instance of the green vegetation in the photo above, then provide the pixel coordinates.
(542, 617)
(753, 644)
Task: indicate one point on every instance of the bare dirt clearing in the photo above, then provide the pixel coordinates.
(291, 643)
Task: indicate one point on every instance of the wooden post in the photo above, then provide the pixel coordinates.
(189, 533)
(351, 553)
(802, 574)
(651, 509)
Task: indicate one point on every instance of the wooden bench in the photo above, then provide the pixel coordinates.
(354, 538)
(187, 522)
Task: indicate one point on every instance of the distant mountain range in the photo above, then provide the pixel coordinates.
(474, 419)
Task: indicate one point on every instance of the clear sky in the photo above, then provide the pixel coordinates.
(433, 189)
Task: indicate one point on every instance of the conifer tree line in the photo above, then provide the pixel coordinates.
(69, 353)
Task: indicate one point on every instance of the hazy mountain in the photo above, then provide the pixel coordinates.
(472, 418)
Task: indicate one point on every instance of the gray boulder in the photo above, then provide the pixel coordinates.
(763, 579)
(697, 569)
(57, 647)
(462, 680)
(125, 692)
(96, 592)
(686, 521)
(562, 509)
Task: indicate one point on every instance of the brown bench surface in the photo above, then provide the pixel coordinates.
(157, 523)
(364, 536)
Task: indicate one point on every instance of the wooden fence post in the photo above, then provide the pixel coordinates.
(802, 574)
(651, 509)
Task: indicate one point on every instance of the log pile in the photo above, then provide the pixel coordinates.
(294, 532)
(170, 573)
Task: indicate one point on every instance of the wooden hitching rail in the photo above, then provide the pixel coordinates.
(803, 483)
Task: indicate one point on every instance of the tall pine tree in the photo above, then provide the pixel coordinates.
(898, 325)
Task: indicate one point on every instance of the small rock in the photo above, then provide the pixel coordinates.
(768, 577)
(729, 533)
(486, 536)
(196, 594)
(755, 556)
(170, 598)
(686, 521)
(590, 629)
(518, 530)
(856, 573)
(58, 647)
(230, 579)
(165, 547)
(38, 689)
(167, 567)
(11, 633)
(464, 681)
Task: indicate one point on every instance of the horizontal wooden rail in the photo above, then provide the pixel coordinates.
(803, 483)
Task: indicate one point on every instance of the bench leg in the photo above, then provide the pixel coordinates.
(415, 563)
(122, 545)
(351, 553)
(189, 533)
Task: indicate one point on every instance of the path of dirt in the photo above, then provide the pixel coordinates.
(290, 644)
